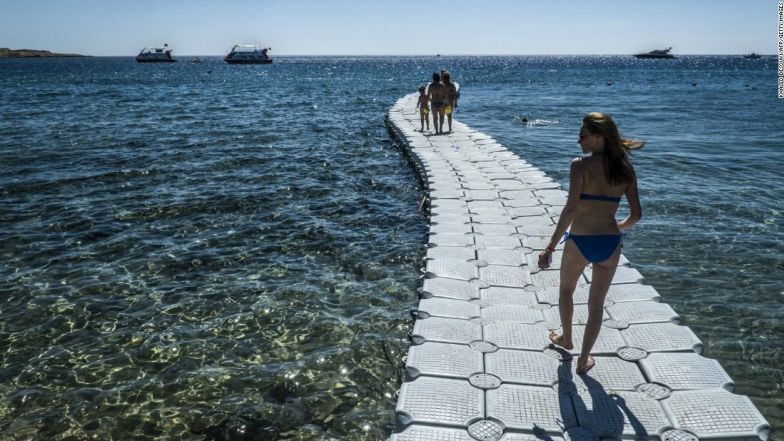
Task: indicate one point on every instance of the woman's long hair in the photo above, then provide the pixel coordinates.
(446, 78)
(617, 169)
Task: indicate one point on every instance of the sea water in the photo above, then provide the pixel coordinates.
(205, 251)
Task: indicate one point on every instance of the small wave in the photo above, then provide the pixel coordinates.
(48, 183)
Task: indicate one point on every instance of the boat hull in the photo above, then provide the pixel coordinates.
(249, 61)
(656, 57)
(172, 60)
(155, 55)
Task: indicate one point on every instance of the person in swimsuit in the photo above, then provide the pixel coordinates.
(436, 91)
(596, 184)
(451, 97)
(424, 109)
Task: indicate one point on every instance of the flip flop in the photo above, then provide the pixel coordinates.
(588, 365)
(555, 339)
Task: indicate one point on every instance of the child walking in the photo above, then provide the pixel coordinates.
(424, 109)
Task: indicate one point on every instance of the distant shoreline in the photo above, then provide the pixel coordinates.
(32, 53)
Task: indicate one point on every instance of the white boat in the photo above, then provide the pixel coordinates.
(156, 55)
(657, 54)
(248, 54)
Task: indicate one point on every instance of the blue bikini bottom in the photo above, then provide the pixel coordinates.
(596, 247)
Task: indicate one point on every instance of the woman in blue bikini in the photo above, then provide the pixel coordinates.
(596, 184)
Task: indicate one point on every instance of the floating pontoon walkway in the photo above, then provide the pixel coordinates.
(480, 366)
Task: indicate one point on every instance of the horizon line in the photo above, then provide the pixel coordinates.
(427, 55)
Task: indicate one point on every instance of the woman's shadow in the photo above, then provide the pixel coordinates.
(608, 411)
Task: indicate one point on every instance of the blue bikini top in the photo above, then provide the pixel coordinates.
(600, 197)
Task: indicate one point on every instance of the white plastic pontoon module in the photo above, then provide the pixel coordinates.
(679, 371)
(662, 337)
(450, 228)
(620, 414)
(643, 312)
(443, 360)
(502, 242)
(523, 367)
(495, 229)
(609, 373)
(580, 316)
(448, 308)
(513, 313)
(608, 343)
(496, 256)
(516, 336)
(440, 401)
(527, 211)
(498, 295)
(446, 331)
(453, 240)
(716, 414)
(423, 433)
(452, 269)
(450, 288)
(529, 407)
(459, 253)
(512, 277)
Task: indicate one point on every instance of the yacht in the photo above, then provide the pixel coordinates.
(248, 54)
(659, 54)
(752, 56)
(156, 55)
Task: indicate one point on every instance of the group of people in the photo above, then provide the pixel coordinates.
(439, 98)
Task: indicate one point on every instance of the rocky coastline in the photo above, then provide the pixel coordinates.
(32, 53)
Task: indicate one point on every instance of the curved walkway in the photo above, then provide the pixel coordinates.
(480, 365)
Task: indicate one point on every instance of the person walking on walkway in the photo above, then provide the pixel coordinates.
(436, 91)
(596, 184)
(451, 97)
(424, 109)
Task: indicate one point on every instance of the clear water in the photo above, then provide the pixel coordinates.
(204, 251)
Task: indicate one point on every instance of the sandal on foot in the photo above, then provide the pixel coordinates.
(558, 340)
(587, 367)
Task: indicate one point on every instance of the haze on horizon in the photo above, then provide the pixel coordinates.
(402, 27)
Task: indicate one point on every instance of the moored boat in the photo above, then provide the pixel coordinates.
(657, 54)
(248, 54)
(156, 55)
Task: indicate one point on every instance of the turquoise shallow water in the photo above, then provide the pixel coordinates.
(204, 251)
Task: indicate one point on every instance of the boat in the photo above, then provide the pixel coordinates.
(248, 54)
(156, 55)
(195, 60)
(657, 54)
(752, 56)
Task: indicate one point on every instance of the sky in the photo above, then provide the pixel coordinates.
(392, 27)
